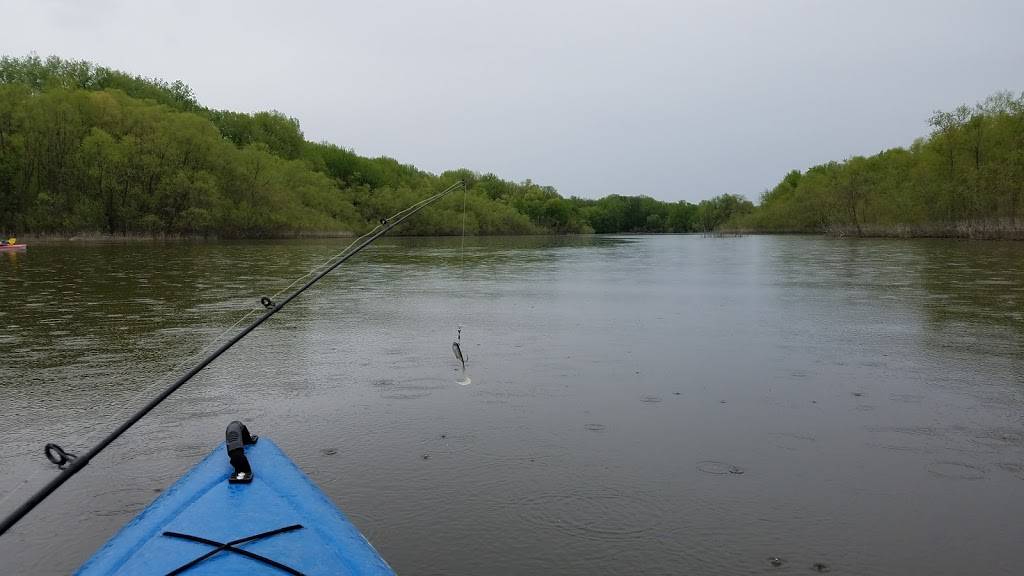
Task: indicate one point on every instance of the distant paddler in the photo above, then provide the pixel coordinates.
(11, 245)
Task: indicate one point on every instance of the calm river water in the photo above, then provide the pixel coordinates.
(639, 405)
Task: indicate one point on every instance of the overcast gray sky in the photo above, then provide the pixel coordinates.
(678, 100)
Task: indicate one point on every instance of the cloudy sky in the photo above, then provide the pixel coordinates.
(678, 100)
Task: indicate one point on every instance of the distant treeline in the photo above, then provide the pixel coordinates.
(84, 148)
(966, 180)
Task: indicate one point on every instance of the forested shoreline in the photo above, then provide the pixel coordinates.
(965, 180)
(86, 150)
(89, 150)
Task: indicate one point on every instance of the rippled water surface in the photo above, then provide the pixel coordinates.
(639, 405)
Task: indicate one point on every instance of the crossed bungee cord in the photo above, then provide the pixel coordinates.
(230, 547)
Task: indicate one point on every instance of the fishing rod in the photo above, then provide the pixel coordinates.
(75, 464)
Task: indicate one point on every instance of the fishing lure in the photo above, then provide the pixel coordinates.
(458, 354)
(457, 350)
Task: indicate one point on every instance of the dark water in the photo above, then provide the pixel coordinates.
(655, 405)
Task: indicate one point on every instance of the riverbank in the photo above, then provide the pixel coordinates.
(99, 237)
(952, 232)
(965, 230)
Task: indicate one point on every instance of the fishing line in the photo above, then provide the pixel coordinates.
(81, 461)
(383, 222)
(457, 344)
(465, 192)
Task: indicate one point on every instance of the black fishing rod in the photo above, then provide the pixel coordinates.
(74, 464)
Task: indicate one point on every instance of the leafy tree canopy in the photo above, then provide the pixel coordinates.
(84, 148)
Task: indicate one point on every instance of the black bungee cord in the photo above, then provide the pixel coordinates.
(71, 464)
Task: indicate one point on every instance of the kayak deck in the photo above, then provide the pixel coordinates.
(14, 247)
(204, 512)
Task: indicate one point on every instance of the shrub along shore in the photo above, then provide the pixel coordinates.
(964, 180)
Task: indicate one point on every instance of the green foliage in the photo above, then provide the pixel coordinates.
(713, 213)
(278, 132)
(41, 75)
(75, 160)
(965, 179)
(86, 148)
(638, 214)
